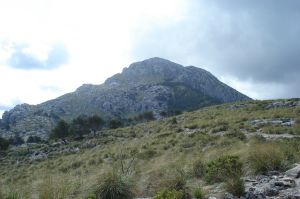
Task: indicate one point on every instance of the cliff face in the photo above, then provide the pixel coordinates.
(151, 85)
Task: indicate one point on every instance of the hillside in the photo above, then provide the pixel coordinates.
(181, 152)
(155, 84)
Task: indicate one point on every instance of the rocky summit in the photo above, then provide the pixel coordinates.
(155, 84)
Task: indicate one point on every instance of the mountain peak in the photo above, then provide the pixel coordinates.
(155, 84)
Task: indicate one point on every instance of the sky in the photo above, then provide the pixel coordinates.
(51, 47)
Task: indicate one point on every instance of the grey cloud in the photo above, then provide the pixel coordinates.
(57, 56)
(253, 40)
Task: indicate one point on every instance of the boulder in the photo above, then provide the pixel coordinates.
(294, 172)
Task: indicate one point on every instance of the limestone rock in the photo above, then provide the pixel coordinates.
(294, 172)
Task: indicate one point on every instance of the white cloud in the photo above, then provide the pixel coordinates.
(101, 37)
(97, 34)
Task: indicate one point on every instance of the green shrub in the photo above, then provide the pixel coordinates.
(236, 133)
(61, 130)
(147, 154)
(177, 182)
(219, 129)
(235, 186)
(198, 169)
(34, 139)
(3, 144)
(220, 169)
(113, 124)
(173, 120)
(266, 157)
(114, 186)
(168, 194)
(199, 193)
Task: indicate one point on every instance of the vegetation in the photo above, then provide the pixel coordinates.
(114, 186)
(198, 169)
(179, 154)
(235, 186)
(267, 157)
(3, 144)
(222, 168)
(199, 193)
(34, 139)
(113, 124)
(13, 195)
(168, 194)
(77, 128)
(53, 189)
(16, 140)
(61, 130)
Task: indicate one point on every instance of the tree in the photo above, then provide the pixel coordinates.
(3, 144)
(113, 124)
(61, 130)
(16, 140)
(80, 126)
(34, 139)
(95, 123)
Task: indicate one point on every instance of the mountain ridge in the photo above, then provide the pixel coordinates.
(154, 84)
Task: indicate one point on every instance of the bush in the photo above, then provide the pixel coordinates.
(177, 182)
(80, 126)
(266, 157)
(3, 144)
(199, 193)
(235, 186)
(113, 124)
(147, 154)
(61, 130)
(16, 140)
(168, 194)
(198, 169)
(114, 186)
(222, 168)
(34, 139)
(236, 133)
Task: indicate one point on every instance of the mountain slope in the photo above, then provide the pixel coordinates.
(156, 154)
(154, 85)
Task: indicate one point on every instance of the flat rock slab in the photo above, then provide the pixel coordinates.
(294, 172)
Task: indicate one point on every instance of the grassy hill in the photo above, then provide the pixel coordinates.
(183, 150)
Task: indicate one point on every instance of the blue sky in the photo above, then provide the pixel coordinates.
(48, 48)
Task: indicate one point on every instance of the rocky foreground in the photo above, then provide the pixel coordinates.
(273, 185)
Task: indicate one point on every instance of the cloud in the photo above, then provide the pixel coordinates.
(21, 59)
(254, 41)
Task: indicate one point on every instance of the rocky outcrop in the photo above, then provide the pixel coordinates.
(152, 85)
(279, 185)
(283, 103)
(274, 185)
(280, 121)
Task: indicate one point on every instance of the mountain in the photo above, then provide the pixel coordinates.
(154, 85)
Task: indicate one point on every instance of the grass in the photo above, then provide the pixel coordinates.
(114, 186)
(160, 152)
(51, 188)
(168, 194)
(199, 193)
(235, 186)
(267, 157)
